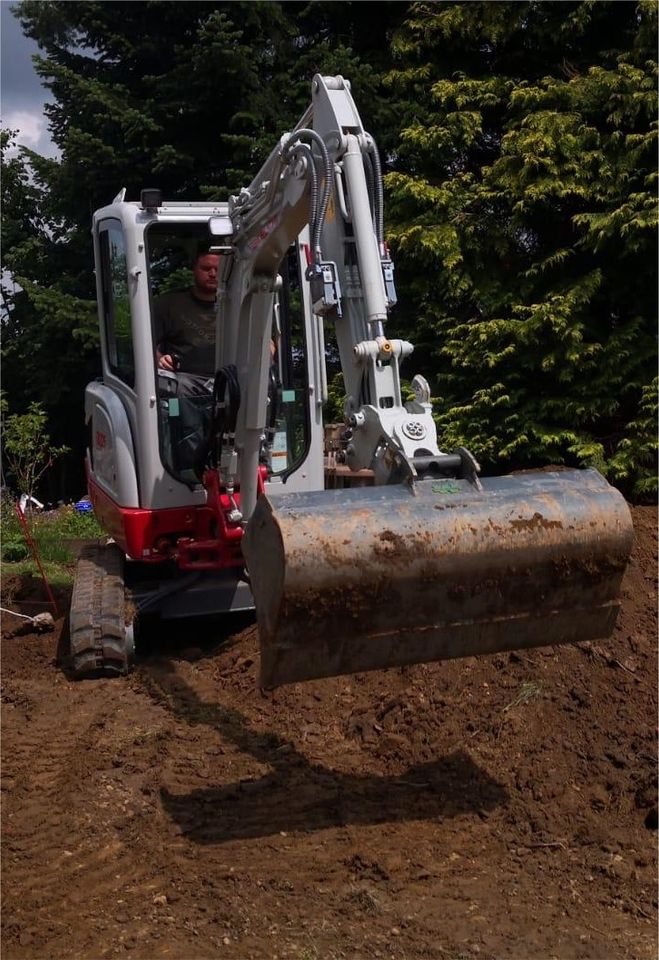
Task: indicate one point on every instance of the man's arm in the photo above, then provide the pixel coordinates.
(168, 333)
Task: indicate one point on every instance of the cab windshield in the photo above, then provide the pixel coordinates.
(183, 276)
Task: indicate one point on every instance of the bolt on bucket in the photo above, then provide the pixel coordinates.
(362, 579)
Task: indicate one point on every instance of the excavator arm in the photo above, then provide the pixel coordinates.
(431, 562)
(326, 175)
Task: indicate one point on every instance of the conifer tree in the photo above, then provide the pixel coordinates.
(524, 213)
(189, 98)
(49, 334)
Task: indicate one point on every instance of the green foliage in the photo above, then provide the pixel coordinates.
(14, 550)
(9, 525)
(57, 535)
(179, 279)
(67, 523)
(635, 458)
(336, 395)
(27, 449)
(189, 98)
(50, 331)
(524, 214)
(520, 144)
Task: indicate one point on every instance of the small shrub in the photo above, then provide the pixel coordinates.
(11, 528)
(14, 551)
(27, 447)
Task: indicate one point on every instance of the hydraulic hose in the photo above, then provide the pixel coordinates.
(370, 186)
(226, 413)
(273, 390)
(379, 190)
(327, 187)
(299, 147)
(226, 401)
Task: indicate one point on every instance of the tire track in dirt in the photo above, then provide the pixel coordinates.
(63, 811)
(50, 821)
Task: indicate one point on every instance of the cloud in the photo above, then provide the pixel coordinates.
(29, 125)
(32, 131)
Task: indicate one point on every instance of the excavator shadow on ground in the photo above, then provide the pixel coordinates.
(300, 794)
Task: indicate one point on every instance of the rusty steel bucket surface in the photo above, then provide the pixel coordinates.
(361, 579)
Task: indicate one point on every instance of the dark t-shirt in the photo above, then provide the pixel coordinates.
(185, 325)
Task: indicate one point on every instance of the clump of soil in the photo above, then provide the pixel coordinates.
(501, 806)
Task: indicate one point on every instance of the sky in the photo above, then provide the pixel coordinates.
(22, 97)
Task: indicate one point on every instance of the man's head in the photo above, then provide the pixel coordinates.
(204, 271)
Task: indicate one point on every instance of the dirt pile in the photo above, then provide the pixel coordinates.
(494, 807)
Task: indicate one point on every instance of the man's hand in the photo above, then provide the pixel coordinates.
(167, 361)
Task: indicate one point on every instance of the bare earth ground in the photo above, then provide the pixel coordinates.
(496, 807)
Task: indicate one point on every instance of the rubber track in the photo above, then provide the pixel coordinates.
(97, 628)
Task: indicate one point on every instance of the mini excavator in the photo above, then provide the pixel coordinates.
(214, 499)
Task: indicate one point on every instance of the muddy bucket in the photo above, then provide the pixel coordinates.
(361, 579)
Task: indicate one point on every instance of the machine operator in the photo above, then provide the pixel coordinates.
(185, 321)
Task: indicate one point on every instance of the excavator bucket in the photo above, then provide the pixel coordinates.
(360, 579)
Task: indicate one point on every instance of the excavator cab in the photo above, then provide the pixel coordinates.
(143, 254)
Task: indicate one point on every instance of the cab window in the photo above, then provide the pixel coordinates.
(116, 305)
(185, 395)
(185, 398)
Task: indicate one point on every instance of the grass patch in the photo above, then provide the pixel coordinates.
(65, 523)
(58, 535)
(528, 691)
(59, 576)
